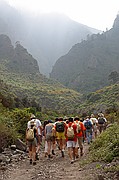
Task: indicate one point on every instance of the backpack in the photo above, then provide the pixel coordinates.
(78, 127)
(70, 133)
(101, 120)
(60, 126)
(50, 129)
(30, 134)
(88, 124)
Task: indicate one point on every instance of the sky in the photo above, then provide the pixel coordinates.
(99, 14)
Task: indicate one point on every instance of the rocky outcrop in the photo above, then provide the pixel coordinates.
(6, 48)
(18, 59)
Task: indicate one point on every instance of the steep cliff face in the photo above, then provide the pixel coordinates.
(23, 61)
(87, 65)
(116, 23)
(18, 59)
(6, 48)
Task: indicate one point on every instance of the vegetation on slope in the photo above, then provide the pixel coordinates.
(88, 65)
(106, 146)
(105, 100)
(26, 90)
(103, 154)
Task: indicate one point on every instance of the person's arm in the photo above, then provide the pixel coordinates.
(36, 131)
(45, 132)
(40, 127)
(83, 131)
(75, 129)
(26, 135)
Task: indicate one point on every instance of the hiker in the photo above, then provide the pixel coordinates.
(31, 135)
(44, 140)
(49, 137)
(88, 125)
(80, 134)
(60, 128)
(56, 140)
(39, 137)
(102, 122)
(95, 125)
(71, 135)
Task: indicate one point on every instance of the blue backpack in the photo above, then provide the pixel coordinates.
(88, 124)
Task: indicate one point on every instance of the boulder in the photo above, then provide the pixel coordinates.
(21, 145)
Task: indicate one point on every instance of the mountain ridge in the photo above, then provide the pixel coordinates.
(19, 60)
(84, 62)
(26, 86)
(47, 37)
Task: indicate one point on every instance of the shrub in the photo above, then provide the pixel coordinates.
(106, 146)
(7, 136)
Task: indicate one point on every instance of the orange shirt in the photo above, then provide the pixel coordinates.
(80, 134)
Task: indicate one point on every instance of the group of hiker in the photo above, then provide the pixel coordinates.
(70, 133)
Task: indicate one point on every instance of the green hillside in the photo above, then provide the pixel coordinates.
(44, 93)
(105, 100)
(22, 85)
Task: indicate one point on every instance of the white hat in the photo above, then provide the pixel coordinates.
(32, 116)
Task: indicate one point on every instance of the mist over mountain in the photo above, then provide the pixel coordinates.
(87, 66)
(47, 36)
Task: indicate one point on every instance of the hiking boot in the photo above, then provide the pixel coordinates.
(30, 161)
(72, 161)
(77, 156)
(34, 163)
(59, 147)
(62, 153)
(49, 156)
(81, 152)
(46, 154)
(37, 158)
(53, 152)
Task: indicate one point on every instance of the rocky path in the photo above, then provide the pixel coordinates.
(57, 168)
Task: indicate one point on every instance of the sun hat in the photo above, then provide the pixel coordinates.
(32, 116)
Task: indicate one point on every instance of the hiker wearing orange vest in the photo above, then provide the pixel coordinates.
(80, 134)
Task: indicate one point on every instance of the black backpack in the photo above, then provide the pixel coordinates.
(60, 126)
(101, 120)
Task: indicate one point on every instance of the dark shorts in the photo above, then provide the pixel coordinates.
(32, 143)
(49, 137)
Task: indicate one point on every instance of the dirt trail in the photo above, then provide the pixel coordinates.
(57, 168)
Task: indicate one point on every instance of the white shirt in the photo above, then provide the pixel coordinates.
(94, 120)
(38, 125)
